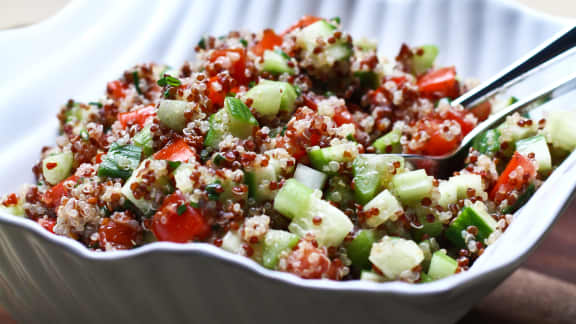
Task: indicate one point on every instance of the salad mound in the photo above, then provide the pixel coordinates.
(278, 147)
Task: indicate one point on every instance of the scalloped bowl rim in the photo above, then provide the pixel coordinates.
(443, 286)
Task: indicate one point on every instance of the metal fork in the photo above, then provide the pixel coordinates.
(551, 51)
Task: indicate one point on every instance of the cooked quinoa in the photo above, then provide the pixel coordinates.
(273, 146)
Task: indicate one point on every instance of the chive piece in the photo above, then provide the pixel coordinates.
(351, 138)
(283, 130)
(94, 103)
(169, 80)
(202, 43)
(120, 161)
(136, 80)
(336, 20)
(282, 53)
(181, 209)
(174, 164)
(238, 110)
(218, 159)
(167, 93)
(244, 42)
(213, 190)
(84, 135)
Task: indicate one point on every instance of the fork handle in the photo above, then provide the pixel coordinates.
(564, 41)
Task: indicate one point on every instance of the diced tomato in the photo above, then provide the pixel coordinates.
(115, 89)
(10, 200)
(98, 157)
(459, 116)
(342, 116)
(54, 195)
(308, 261)
(519, 172)
(482, 111)
(439, 142)
(268, 42)
(47, 223)
(138, 116)
(119, 232)
(303, 22)
(216, 92)
(439, 83)
(178, 150)
(237, 58)
(177, 221)
(399, 80)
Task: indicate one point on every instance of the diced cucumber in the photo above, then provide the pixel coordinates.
(466, 181)
(430, 225)
(368, 79)
(358, 249)
(423, 58)
(328, 224)
(310, 177)
(293, 199)
(182, 177)
(394, 255)
(219, 127)
(171, 113)
(143, 139)
(470, 216)
(487, 142)
(388, 209)
(328, 159)
(522, 199)
(428, 247)
(366, 275)
(232, 242)
(120, 161)
(412, 186)
(389, 143)
(15, 209)
(308, 35)
(339, 191)
(147, 207)
(372, 172)
(560, 130)
(276, 62)
(448, 193)
(270, 97)
(338, 51)
(538, 146)
(57, 167)
(511, 132)
(242, 123)
(424, 278)
(441, 266)
(259, 178)
(78, 113)
(275, 243)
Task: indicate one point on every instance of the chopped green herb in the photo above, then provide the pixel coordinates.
(136, 80)
(169, 80)
(244, 42)
(181, 209)
(283, 131)
(214, 190)
(167, 93)
(230, 94)
(204, 155)
(218, 159)
(174, 164)
(143, 139)
(298, 90)
(282, 53)
(97, 104)
(252, 84)
(194, 204)
(329, 93)
(84, 135)
(336, 20)
(202, 43)
(351, 137)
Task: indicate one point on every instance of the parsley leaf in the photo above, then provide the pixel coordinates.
(136, 80)
(181, 209)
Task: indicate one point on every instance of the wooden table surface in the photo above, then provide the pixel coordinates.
(543, 291)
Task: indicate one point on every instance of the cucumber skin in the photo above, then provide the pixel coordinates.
(242, 122)
(276, 242)
(391, 140)
(441, 266)
(488, 142)
(359, 248)
(468, 217)
(275, 63)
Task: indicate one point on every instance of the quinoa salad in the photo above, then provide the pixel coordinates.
(278, 146)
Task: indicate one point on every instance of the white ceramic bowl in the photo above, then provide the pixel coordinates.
(44, 277)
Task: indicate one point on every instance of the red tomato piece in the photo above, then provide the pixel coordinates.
(459, 116)
(138, 116)
(237, 59)
(439, 142)
(399, 80)
(268, 42)
(307, 261)
(216, 92)
(119, 232)
(54, 195)
(439, 83)
(177, 221)
(115, 89)
(47, 223)
(178, 150)
(482, 111)
(303, 22)
(519, 172)
(342, 116)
